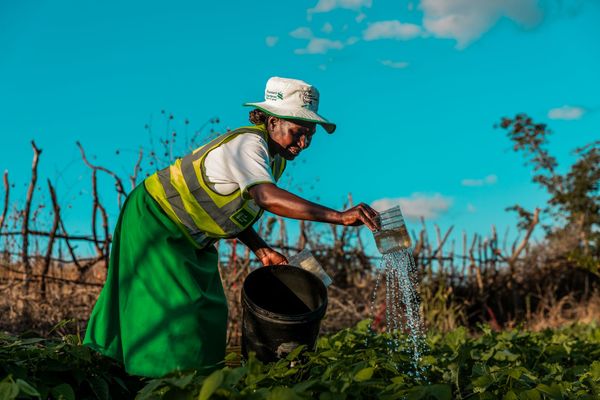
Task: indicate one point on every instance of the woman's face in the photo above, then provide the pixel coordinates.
(289, 137)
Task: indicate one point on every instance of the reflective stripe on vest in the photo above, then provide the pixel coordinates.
(205, 215)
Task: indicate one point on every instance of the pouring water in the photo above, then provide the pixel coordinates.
(398, 267)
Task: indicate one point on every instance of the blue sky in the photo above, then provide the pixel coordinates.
(414, 86)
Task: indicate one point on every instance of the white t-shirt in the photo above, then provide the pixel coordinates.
(239, 163)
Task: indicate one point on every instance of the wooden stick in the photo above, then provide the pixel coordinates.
(27, 210)
(530, 228)
(57, 279)
(438, 251)
(282, 234)
(118, 183)
(464, 265)
(55, 224)
(136, 169)
(6, 199)
(95, 206)
(302, 236)
(66, 237)
(61, 236)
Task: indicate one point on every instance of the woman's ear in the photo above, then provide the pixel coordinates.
(272, 123)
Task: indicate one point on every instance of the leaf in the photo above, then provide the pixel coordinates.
(553, 391)
(120, 383)
(506, 355)
(304, 385)
(510, 395)
(483, 381)
(211, 384)
(595, 370)
(364, 374)
(64, 391)
(329, 354)
(148, 390)
(531, 394)
(8, 389)
(416, 393)
(181, 381)
(440, 391)
(331, 396)
(437, 391)
(30, 341)
(81, 352)
(234, 376)
(283, 393)
(27, 389)
(99, 387)
(364, 326)
(456, 338)
(515, 372)
(295, 353)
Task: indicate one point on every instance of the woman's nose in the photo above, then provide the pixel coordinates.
(303, 142)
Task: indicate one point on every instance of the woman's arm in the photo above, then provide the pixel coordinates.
(281, 202)
(263, 252)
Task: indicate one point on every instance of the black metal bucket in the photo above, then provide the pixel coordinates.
(282, 308)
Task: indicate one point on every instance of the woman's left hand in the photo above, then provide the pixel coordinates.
(268, 256)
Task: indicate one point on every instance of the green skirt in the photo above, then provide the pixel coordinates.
(162, 307)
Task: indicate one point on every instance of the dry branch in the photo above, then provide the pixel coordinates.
(55, 225)
(6, 198)
(62, 236)
(530, 228)
(136, 169)
(27, 210)
(118, 182)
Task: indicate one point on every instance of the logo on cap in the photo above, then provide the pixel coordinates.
(273, 95)
(310, 99)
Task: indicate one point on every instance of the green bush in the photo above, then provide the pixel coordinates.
(351, 364)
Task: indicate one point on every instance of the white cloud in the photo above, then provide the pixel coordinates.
(417, 205)
(567, 112)
(301, 33)
(316, 45)
(271, 40)
(320, 46)
(466, 20)
(327, 28)
(491, 179)
(391, 30)
(360, 17)
(328, 5)
(472, 182)
(488, 180)
(352, 40)
(471, 208)
(395, 64)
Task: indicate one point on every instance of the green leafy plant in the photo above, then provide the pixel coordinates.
(59, 368)
(357, 364)
(351, 364)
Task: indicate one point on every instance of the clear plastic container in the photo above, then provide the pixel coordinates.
(308, 262)
(393, 235)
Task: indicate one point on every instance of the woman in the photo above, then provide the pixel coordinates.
(163, 307)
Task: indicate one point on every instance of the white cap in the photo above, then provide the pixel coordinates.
(292, 99)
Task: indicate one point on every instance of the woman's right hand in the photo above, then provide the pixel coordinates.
(268, 256)
(359, 215)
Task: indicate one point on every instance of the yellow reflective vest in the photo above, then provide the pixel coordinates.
(203, 214)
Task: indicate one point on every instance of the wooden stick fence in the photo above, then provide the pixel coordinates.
(480, 263)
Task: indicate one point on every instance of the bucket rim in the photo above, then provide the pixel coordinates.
(288, 318)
